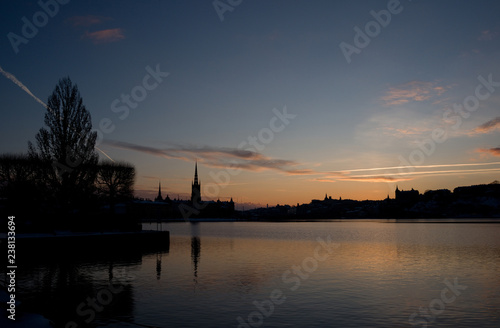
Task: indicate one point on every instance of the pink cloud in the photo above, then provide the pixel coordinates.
(105, 36)
(488, 127)
(491, 151)
(406, 131)
(413, 91)
(487, 35)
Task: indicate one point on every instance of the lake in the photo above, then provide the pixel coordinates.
(370, 273)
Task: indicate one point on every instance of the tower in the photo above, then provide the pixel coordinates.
(196, 188)
(159, 198)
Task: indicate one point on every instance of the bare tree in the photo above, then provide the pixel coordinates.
(67, 141)
(115, 181)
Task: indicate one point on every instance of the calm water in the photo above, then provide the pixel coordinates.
(248, 274)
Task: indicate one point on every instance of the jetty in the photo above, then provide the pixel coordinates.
(90, 241)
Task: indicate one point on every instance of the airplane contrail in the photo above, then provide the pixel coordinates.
(428, 173)
(11, 77)
(417, 167)
(22, 86)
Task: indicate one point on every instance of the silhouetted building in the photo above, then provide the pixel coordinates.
(484, 190)
(407, 197)
(439, 196)
(177, 208)
(159, 198)
(196, 188)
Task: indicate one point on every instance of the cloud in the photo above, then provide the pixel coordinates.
(234, 158)
(86, 21)
(408, 173)
(301, 172)
(366, 179)
(395, 127)
(275, 35)
(412, 91)
(406, 131)
(487, 35)
(105, 36)
(488, 127)
(490, 151)
(220, 157)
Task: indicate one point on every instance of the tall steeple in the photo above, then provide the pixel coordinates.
(159, 198)
(196, 188)
(196, 172)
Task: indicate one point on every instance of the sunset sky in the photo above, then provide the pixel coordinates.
(302, 97)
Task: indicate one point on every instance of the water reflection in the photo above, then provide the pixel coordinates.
(195, 249)
(158, 265)
(378, 277)
(82, 287)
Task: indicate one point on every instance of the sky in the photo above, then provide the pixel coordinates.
(279, 102)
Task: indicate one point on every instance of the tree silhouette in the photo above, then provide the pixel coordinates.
(67, 141)
(115, 182)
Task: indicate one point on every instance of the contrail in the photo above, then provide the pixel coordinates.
(416, 167)
(112, 160)
(11, 77)
(427, 173)
(22, 86)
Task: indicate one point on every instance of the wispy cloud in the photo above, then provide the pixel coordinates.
(419, 167)
(395, 127)
(220, 157)
(487, 35)
(407, 173)
(86, 21)
(489, 151)
(412, 91)
(488, 127)
(495, 151)
(364, 179)
(275, 35)
(105, 36)
(234, 158)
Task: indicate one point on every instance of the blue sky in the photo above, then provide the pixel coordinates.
(226, 77)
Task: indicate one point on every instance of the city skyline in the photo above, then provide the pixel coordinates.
(278, 103)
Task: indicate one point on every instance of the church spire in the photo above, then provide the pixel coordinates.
(196, 188)
(196, 173)
(159, 198)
